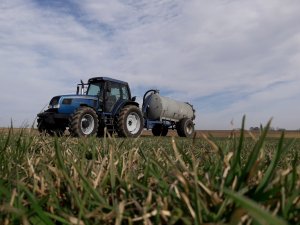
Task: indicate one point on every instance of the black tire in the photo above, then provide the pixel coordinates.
(160, 130)
(185, 128)
(130, 122)
(84, 122)
(43, 128)
(41, 125)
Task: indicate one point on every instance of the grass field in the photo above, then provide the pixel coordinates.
(237, 178)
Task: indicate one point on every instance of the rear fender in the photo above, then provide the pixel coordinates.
(121, 104)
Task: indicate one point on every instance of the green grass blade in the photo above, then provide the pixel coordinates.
(112, 168)
(90, 188)
(57, 218)
(272, 166)
(255, 152)
(37, 208)
(258, 214)
(289, 203)
(197, 195)
(271, 169)
(236, 162)
(8, 138)
(62, 167)
(3, 190)
(294, 172)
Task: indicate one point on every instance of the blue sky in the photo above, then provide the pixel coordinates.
(229, 58)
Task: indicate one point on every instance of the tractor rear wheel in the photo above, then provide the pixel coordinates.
(84, 122)
(130, 122)
(160, 130)
(185, 128)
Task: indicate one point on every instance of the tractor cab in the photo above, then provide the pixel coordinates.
(108, 91)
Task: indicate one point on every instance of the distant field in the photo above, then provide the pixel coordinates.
(227, 133)
(149, 180)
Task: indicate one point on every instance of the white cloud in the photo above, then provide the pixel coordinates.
(245, 53)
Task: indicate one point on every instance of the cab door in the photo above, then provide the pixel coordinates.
(113, 95)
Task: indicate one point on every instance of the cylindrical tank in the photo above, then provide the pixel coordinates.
(156, 107)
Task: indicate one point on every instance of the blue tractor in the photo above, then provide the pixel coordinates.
(101, 103)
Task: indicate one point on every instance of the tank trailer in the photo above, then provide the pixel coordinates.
(106, 103)
(163, 113)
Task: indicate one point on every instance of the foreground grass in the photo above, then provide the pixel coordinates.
(236, 180)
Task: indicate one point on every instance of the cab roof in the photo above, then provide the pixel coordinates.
(95, 79)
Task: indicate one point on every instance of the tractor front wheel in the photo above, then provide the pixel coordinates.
(44, 128)
(130, 122)
(84, 122)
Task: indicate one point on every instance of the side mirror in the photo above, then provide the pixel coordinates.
(133, 98)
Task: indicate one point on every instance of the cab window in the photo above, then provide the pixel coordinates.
(125, 93)
(115, 91)
(95, 89)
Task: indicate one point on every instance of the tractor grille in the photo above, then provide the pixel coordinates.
(52, 110)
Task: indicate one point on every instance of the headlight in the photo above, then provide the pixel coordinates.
(56, 106)
(54, 103)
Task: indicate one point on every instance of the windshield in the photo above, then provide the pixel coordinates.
(95, 89)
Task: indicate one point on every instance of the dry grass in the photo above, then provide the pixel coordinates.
(163, 180)
(199, 133)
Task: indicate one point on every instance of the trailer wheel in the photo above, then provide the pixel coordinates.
(185, 128)
(160, 130)
(130, 122)
(84, 122)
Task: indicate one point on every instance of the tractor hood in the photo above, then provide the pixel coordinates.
(69, 103)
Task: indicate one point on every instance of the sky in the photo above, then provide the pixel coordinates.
(228, 58)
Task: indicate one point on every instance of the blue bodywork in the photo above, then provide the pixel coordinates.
(67, 104)
(62, 107)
